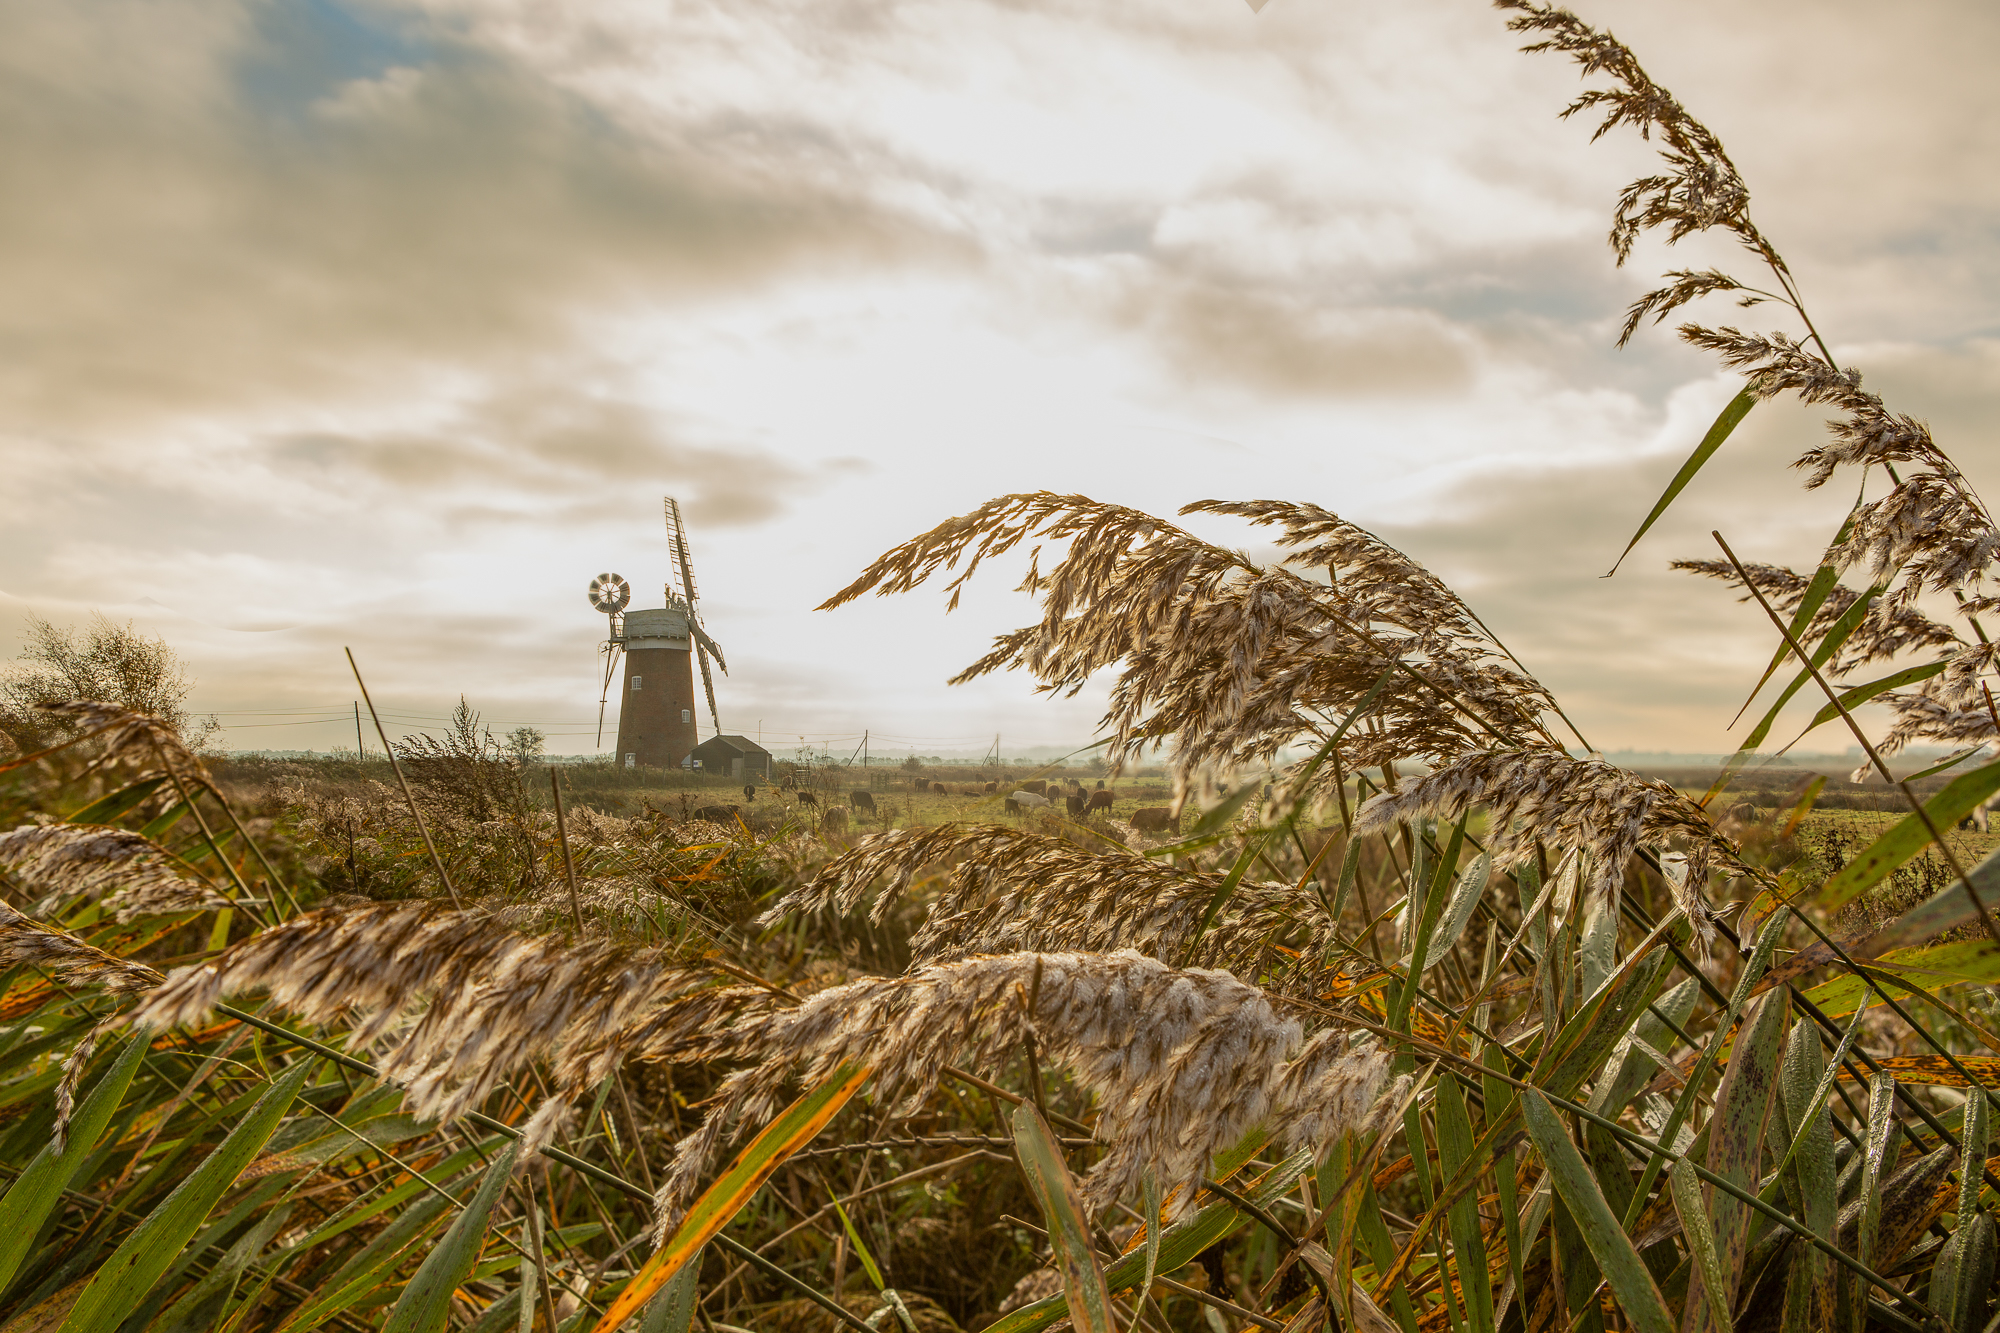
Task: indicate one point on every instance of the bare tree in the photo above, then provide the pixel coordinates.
(101, 661)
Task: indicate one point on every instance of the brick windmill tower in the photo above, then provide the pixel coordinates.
(656, 708)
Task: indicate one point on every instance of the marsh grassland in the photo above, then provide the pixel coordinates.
(1417, 1017)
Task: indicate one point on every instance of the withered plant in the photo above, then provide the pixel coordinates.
(1415, 1014)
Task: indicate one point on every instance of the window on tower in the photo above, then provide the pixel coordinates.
(635, 683)
(687, 715)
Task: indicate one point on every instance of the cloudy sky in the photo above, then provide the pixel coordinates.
(333, 322)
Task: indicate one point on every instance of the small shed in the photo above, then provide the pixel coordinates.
(733, 756)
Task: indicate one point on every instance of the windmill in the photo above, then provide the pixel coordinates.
(657, 704)
(703, 645)
(609, 593)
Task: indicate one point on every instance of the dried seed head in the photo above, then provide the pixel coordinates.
(129, 874)
(1182, 1063)
(74, 962)
(1232, 659)
(1548, 796)
(1888, 628)
(138, 741)
(455, 1003)
(1010, 890)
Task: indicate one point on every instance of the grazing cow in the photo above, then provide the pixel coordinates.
(992, 789)
(834, 823)
(1037, 787)
(1029, 800)
(1981, 817)
(940, 789)
(750, 791)
(862, 800)
(1074, 802)
(1154, 819)
(807, 798)
(717, 814)
(1099, 800)
(1100, 784)
(1743, 812)
(1012, 807)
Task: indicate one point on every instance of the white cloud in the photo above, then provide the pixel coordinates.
(390, 323)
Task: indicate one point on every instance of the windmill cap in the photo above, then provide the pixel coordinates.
(665, 625)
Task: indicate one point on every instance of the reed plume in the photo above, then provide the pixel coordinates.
(141, 742)
(126, 873)
(1182, 1063)
(1550, 797)
(1930, 532)
(455, 1004)
(1234, 659)
(49, 948)
(1015, 891)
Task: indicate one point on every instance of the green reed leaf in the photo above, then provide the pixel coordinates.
(37, 1190)
(1959, 798)
(1874, 1147)
(1630, 1280)
(1686, 1188)
(425, 1305)
(1725, 422)
(125, 1278)
(1861, 694)
(1468, 1245)
(672, 1311)
(1055, 1192)
(1179, 1244)
(1736, 1132)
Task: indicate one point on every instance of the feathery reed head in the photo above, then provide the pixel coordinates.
(1232, 659)
(455, 1003)
(1182, 1063)
(129, 739)
(1012, 890)
(127, 873)
(1551, 797)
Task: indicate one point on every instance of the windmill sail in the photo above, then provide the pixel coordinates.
(703, 644)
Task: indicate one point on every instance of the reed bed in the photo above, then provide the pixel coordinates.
(1447, 1025)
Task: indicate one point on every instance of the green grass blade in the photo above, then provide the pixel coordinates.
(1815, 597)
(107, 808)
(1861, 694)
(1153, 1229)
(1837, 634)
(1725, 422)
(37, 1190)
(1180, 1244)
(1631, 1282)
(130, 1272)
(359, 1275)
(1465, 896)
(672, 1311)
(1874, 1147)
(868, 1265)
(1736, 1132)
(1468, 1245)
(1811, 1155)
(1959, 798)
(425, 1305)
(1700, 1235)
(792, 1130)
(1069, 1231)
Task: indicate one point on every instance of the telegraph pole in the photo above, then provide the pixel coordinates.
(360, 753)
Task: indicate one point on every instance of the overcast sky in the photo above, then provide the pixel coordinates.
(334, 323)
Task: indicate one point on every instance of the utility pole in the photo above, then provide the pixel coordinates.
(864, 747)
(360, 752)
